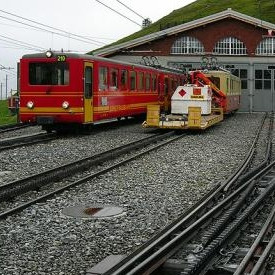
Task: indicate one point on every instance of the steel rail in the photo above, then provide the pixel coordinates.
(257, 270)
(265, 162)
(216, 244)
(254, 176)
(146, 255)
(156, 254)
(231, 180)
(13, 127)
(249, 257)
(12, 143)
(10, 190)
(89, 177)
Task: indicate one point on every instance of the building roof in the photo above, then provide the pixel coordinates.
(229, 13)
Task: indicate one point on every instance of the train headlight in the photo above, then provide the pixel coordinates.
(65, 105)
(49, 54)
(30, 105)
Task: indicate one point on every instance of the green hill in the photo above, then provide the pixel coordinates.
(261, 9)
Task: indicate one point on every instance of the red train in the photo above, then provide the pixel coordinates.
(58, 89)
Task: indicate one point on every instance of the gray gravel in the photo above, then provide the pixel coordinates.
(21, 162)
(153, 191)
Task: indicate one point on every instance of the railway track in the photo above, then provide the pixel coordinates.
(73, 173)
(193, 244)
(12, 127)
(25, 140)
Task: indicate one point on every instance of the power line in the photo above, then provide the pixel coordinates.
(7, 70)
(71, 35)
(52, 32)
(118, 13)
(21, 43)
(130, 9)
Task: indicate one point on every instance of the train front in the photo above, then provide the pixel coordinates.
(51, 87)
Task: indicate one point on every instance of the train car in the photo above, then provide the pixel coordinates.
(226, 88)
(13, 103)
(60, 90)
(199, 104)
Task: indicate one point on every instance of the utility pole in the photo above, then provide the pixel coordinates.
(1, 90)
(5, 68)
(6, 86)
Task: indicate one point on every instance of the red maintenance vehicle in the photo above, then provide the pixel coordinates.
(13, 103)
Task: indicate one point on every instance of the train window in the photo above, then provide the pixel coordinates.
(242, 74)
(114, 79)
(123, 80)
(49, 73)
(147, 82)
(227, 86)
(154, 82)
(140, 81)
(103, 78)
(216, 81)
(133, 78)
(88, 81)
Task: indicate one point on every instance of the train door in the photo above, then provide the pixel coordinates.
(88, 92)
(264, 78)
(166, 93)
(242, 71)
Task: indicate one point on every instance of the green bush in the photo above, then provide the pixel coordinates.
(5, 116)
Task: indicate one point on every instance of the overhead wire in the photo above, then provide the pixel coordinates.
(21, 43)
(27, 47)
(7, 70)
(53, 29)
(118, 13)
(130, 9)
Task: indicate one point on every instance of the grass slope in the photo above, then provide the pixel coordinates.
(5, 116)
(261, 9)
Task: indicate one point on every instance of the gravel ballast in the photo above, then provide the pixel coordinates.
(22, 162)
(152, 190)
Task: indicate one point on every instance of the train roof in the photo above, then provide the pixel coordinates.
(216, 72)
(219, 72)
(102, 59)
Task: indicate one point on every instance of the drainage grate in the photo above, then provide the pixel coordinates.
(93, 212)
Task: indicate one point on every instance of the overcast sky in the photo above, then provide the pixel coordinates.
(86, 18)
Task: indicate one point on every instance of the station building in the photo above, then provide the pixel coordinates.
(240, 43)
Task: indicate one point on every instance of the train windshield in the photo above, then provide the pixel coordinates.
(49, 73)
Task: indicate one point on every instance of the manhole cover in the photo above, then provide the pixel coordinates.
(93, 212)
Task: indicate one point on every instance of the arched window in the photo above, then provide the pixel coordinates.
(266, 46)
(187, 45)
(230, 46)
